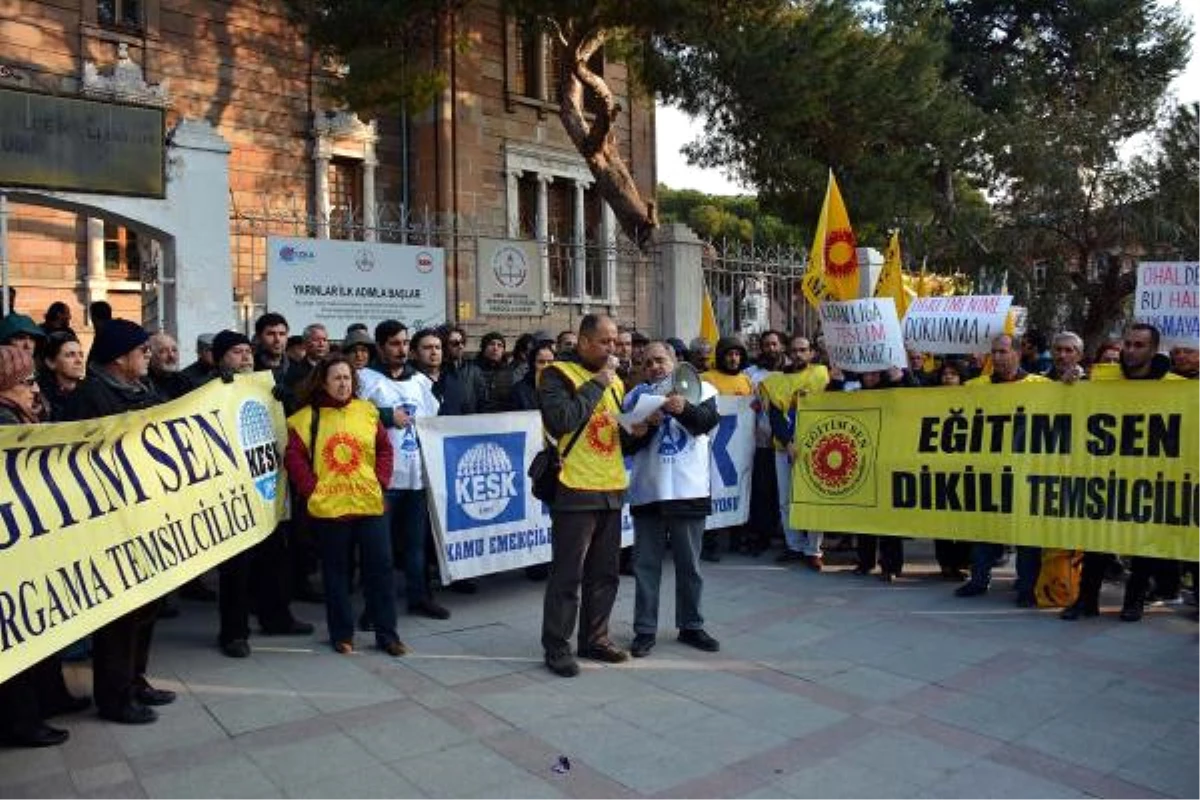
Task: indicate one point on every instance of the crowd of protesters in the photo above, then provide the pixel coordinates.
(370, 385)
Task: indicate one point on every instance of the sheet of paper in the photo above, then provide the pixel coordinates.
(646, 405)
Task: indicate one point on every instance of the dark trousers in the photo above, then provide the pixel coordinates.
(32, 695)
(1140, 572)
(303, 560)
(585, 548)
(1029, 564)
(120, 653)
(764, 500)
(370, 534)
(261, 569)
(952, 555)
(408, 522)
(890, 552)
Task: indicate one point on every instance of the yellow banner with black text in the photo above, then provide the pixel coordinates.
(1105, 466)
(100, 517)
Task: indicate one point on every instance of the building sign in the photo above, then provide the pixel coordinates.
(69, 143)
(337, 283)
(509, 278)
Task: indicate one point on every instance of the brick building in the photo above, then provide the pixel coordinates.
(490, 158)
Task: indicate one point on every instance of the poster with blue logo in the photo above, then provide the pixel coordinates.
(732, 443)
(485, 517)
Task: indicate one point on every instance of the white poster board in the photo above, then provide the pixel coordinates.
(484, 516)
(956, 324)
(337, 283)
(732, 446)
(863, 335)
(1166, 298)
(508, 278)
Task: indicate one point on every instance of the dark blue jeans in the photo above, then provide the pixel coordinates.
(379, 588)
(408, 520)
(1029, 564)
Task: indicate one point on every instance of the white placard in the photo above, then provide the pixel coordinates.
(1166, 298)
(956, 324)
(863, 335)
(338, 283)
(508, 278)
(485, 517)
(732, 444)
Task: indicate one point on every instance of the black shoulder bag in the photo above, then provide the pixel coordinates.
(546, 466)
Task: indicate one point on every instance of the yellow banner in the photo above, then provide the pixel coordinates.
(100, 517)
(1107, 466)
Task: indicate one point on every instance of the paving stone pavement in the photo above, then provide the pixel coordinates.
(827, 685)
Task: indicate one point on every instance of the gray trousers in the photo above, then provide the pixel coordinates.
(649, 545)
(585, 547)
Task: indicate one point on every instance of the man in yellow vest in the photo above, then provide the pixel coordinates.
(580, 396)
(780, 392)
(1006, 369)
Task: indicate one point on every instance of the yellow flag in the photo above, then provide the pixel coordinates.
(923, 288)
(891, 282)
(708, 320)
(834, 255)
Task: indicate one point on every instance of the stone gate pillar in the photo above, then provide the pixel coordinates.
(681, 284)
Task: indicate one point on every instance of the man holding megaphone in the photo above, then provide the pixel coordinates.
(670, 495)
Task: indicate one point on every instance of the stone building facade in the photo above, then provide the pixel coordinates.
(489, 159)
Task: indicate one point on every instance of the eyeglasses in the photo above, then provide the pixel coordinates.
(456, 342)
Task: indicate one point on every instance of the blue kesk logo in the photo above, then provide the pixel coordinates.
(485, 480)
(408, 434)
(258, 443)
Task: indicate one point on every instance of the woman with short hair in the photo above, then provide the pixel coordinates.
(62, 368)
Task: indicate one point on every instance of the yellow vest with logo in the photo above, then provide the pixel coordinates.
(737, 384)
(343, 459)
(780, 389)
(595, 463)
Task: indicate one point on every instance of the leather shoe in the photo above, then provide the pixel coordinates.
(970, 590)
(1077, 610)
(428, 608)
(642, 644)
(41, 736)
(130, 714)
(395, 648)
(700, 640)
(1026, 600)
(237, 648)
(604, 651)
(149, 696)
(1131, 613)
(562, 664)
(69, 704)
(815, 563)
(293, 628)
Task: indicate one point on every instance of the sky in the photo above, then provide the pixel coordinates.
(675, 129)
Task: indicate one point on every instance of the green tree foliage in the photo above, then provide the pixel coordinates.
(719, 218)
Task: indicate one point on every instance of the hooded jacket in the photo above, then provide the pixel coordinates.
(730, 382)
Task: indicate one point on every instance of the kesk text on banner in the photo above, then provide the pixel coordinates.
(863, 335)
(100, 517)
(1105, 466)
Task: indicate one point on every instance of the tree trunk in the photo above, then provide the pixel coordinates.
(597, 141)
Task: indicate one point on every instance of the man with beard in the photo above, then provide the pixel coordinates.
(728, 379)
(164, 367)
(120, 359)
(764, 519)
(403, 395)
(497, 377)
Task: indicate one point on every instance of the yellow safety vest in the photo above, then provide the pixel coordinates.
(595, 463)
(737, 384)
(343, 459)
(986, 380)
(779, 389)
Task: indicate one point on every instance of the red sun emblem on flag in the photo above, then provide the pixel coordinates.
(341, 454)
(602, 434)
(841, 260)
(834, 461)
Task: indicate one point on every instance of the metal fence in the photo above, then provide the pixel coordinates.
(755, 288)
(616, 279)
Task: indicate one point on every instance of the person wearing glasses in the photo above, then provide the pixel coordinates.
(465, 370)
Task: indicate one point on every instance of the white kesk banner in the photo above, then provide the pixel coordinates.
(732, 444)
(485, 517)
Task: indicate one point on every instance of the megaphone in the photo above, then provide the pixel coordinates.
(685, 382)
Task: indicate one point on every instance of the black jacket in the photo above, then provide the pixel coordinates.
(696, 420)
(496, 381)
(101, 395)
(471, 381)
(451, 395)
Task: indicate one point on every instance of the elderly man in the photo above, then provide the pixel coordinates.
(580, 396)
(121, 648)
(1066, 351)
(1006, 370)
(200, 370)
(670, 496)
(164, 367)
(700, 353)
